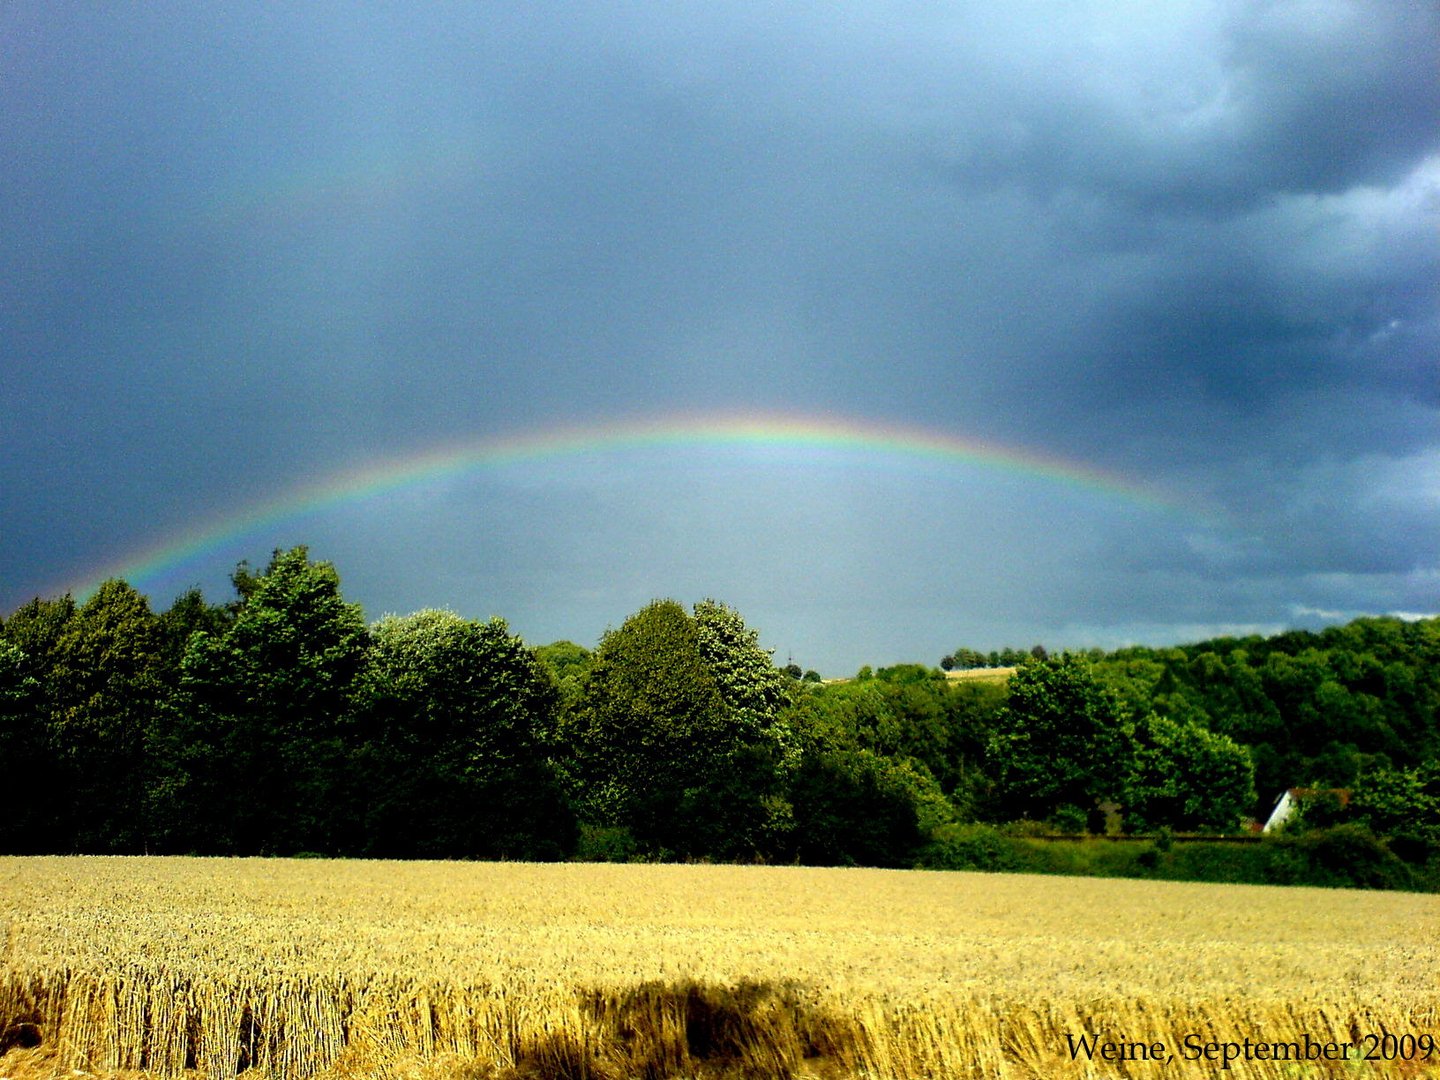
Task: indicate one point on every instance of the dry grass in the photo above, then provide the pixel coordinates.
(348, 969)
(982, 674)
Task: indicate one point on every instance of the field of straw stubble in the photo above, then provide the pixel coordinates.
(273, 968)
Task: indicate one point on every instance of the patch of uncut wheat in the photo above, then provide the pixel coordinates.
(648, 1031)
(611, 1033)
(291, 968)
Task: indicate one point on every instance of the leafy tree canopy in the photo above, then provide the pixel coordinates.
(650, 714)
(1185, 777)
(456, 720)
(1058, 741)
(254, 761)
(108, 675)
(744, 673)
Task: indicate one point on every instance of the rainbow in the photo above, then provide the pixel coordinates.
(867, 439)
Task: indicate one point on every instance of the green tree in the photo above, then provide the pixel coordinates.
(760, 745)
(30, 810)
(108, 690)
(753, 689)
(1058, 741)
(650, 724)
(565, 658)
(1184, 777)
(457, 721)
(569, 663)
(188, 615)
(963, 659)
(906, 713)
(679, 735)
(933, 809)
(34, 808)
(35, 629)
(254, 765)
(1402, 805)
(855, 808)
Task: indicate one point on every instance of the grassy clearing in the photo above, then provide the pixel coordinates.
(982, 674)
(222, 967)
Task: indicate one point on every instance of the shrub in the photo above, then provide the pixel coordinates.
(1069, 819)
(606, 843)
(971, 847)
(1351, 855)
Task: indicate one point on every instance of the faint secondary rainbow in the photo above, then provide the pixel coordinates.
(775, 432)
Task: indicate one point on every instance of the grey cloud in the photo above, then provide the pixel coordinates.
(1193, 243)
(1198, 109)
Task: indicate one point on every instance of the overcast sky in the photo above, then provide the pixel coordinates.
(247, 248)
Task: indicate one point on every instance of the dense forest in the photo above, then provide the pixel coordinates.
(280, 722)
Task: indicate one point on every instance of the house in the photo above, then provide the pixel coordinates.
(1293, 798)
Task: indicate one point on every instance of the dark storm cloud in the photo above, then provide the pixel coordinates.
(1193, 243)
(1199, 109)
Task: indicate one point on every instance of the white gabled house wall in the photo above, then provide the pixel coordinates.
(1292, 798)
(1284, 807)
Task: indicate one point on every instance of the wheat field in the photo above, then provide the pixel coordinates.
(213, 968)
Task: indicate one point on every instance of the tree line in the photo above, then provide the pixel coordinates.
(280, 722)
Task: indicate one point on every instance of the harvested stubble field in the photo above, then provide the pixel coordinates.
(278, 968)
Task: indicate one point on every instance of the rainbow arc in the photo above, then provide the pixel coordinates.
(866, 440)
